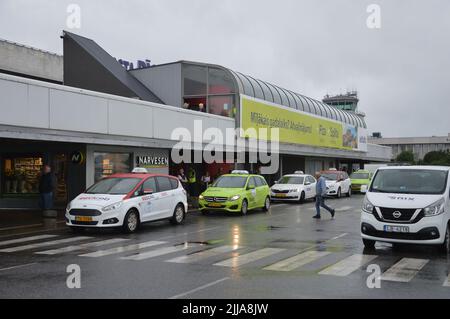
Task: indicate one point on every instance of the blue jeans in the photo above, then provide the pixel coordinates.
(320, 202)
(46, 201)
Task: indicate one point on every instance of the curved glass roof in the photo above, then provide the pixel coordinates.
(272, 93)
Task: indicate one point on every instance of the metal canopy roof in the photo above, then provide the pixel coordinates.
(275, 94)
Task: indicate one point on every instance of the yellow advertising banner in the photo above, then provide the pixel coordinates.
(295, 127)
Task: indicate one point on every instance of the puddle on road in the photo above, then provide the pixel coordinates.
(262, 228)
(275, 227)
(200, 243)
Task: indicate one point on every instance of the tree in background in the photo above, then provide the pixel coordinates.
(405, 157)
(437, 158)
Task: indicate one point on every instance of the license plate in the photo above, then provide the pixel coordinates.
(280, 195)
(396, 229)
(83, 218)
(215, 205)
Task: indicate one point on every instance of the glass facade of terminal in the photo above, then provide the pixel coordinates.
(216, 90)
(209, 89)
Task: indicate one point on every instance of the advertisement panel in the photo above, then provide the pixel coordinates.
(296, 127)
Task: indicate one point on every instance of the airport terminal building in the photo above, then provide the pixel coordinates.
(88, 117)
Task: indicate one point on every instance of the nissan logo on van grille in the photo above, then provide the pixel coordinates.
(397, 214)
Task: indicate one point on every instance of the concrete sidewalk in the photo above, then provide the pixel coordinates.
(17, 220)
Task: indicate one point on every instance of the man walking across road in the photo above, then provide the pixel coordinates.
(46, 187)
(321, 190)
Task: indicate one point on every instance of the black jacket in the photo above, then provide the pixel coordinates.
(46, 183)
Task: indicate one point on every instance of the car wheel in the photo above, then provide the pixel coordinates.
(339, 194)
(178, 215)
(349, 193)
(369, 244)
(302, 198)
(76, 229)
(446, 245)
(131, 222)
(244, 207)
(266, 204)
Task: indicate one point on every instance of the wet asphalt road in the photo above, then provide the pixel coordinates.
(280, 254)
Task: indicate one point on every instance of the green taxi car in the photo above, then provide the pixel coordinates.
(238, 192)
(359, 178)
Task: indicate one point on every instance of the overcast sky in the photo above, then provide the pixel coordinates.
(401, 71)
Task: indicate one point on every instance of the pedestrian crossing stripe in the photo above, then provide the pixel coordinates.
(297, 261)
(348, 265)
(156, 253)
(344, 208)
(44, 244)
(122, 249)
(404, 270)
(204, 254)
(25, 239)
(240, 260)
(447, 282)
(81, 246)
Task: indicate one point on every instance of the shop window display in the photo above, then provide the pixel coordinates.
(107, 164)
(21, 175)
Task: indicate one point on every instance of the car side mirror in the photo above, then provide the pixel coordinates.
(307, 183)
(276, 182)
(249, 187)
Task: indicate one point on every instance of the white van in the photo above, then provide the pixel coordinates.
(407, 204)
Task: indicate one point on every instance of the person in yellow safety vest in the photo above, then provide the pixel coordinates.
(233, 112)
(191, 176)
(192, 182)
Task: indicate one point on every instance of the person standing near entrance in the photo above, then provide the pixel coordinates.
(206, 179)
(182, 178)
(46, 187)
(192, 181)
(321, 190)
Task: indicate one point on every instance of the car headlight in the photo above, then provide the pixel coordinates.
(294, 190)
(112, 207)
(367, 206)
(235, 198)
(434, 209)
(201, 197)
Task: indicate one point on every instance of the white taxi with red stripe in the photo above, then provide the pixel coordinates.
(127, 201)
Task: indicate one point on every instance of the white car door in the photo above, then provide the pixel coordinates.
(148, 202)
(166, 197)
(348, 182)
(342, 183)
(307, 187)
(312, 186)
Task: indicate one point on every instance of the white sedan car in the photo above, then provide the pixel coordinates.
(294, 187)
(338, 183)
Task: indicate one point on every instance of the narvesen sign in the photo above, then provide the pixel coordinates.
(152, 161)
(296, 127)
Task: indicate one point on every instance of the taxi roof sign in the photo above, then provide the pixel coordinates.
(241, 172)
(139, 170)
